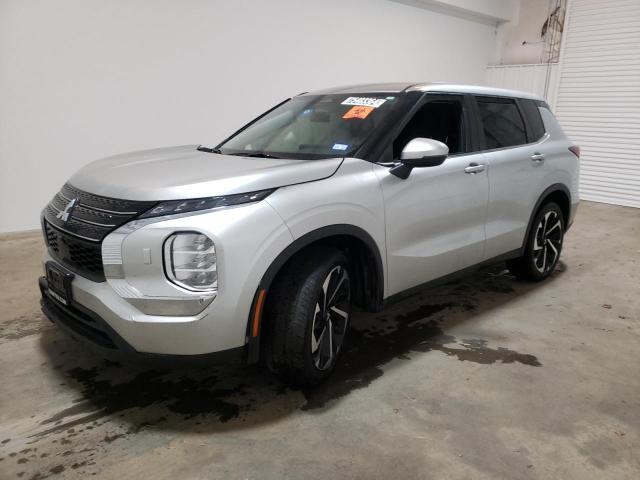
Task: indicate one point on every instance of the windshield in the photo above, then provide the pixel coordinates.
(313, 126)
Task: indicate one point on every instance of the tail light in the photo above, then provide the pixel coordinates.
(575, 149)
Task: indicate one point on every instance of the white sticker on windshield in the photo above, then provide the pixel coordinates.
(364, 101)
(340, 146)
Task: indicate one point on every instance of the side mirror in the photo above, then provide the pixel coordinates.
(418, 153)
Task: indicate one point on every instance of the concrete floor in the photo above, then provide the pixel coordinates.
(484, 378)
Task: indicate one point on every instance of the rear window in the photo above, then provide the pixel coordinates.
(502, 123)
(534, 120)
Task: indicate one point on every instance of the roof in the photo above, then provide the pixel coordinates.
(427, 87)
(367, 88)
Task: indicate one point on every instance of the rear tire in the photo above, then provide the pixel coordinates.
(308, 309)
(543, 246)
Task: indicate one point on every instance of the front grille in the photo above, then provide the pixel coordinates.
(81, 256)
(92, 217)
(107, 204)
(76, 240)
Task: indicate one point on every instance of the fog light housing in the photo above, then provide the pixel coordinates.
(190, 261)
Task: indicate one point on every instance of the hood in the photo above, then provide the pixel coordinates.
(184, 172)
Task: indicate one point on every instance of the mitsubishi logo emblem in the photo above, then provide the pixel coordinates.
(66, 213)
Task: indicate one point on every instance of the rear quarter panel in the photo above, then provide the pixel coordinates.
(564, 165)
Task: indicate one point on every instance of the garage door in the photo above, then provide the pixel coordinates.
(598, 100)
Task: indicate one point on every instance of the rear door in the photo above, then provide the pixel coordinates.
(435, 218)
(512, 146)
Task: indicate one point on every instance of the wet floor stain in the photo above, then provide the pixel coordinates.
(363, 362)
(186, 396)
(115, 402)
(477, 351)
(23, 326)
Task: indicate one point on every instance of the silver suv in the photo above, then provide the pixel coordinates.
(260, 246)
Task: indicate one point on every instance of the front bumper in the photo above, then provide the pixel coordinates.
(144, 310)
(88, 327)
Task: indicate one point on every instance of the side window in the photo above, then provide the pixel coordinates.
(534, 119)
(440, 119)
(502, 123)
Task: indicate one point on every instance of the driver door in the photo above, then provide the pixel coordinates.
(435, 219)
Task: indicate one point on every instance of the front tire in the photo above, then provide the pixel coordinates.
(309, 308)
(543, 246)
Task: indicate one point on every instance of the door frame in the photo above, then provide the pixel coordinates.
(479, 125)
(471, 126)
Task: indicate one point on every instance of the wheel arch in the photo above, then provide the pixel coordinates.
(367, 263)
(558, 193)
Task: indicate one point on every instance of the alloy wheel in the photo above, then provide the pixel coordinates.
(330, 318)
(547, 242)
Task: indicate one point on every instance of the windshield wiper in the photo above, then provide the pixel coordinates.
(254, 155)
(202, 148)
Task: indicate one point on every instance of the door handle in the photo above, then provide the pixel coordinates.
(537, 157)
(474, 168)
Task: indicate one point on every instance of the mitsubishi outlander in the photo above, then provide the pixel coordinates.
(260, 247)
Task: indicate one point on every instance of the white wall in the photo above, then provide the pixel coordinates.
(82, 79)
(527, 28)
(492, 11)
(541, 79)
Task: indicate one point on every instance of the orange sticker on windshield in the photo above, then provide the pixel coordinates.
(358, 112)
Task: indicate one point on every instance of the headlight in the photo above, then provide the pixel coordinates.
(181, 206)
(190, 261)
